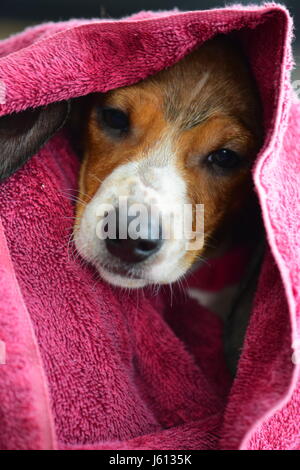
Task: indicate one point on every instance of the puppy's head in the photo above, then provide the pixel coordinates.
(184, 137)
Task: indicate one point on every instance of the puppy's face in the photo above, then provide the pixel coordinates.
(188, 135)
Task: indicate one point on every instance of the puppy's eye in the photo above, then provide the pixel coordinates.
(115, 119)
(224, 159)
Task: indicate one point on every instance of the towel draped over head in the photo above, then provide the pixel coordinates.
(89, 366)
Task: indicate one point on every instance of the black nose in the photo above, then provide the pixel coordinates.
(130, 250)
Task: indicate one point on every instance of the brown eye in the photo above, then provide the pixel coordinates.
(114, 119)
(224, 159)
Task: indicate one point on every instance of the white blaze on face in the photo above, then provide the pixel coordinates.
(153, 180)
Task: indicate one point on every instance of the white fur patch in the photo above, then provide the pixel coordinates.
(151, 180)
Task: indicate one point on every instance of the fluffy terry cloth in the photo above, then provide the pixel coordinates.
(89, 366)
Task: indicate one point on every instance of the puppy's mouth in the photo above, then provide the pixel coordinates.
(132, 269)
(134, 262)
(123, 277)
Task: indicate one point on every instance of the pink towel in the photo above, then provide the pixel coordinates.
(89, 366)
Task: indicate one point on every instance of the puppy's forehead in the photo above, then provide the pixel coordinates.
(214, 79)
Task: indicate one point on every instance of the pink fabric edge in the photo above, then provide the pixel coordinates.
(38, 378)
(276, 138)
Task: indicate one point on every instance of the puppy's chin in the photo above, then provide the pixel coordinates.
(121, 281)
(158, 274)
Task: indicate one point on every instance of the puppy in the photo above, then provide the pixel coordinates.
(188, 135)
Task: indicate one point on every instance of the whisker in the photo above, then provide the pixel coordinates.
(76, 199)
(77, 191)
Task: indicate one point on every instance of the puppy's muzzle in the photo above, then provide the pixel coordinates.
(134, 250)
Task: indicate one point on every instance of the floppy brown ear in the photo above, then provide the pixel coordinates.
(23, 134)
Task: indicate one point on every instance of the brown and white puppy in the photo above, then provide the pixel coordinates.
(188, 135)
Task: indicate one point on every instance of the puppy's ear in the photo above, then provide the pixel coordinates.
(23, 134)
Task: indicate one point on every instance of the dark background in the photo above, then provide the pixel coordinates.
(16, 14)
(62, 9)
